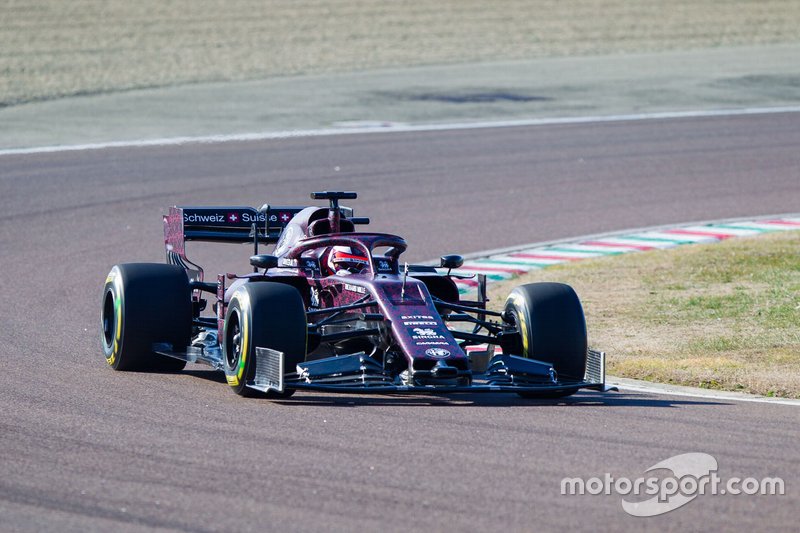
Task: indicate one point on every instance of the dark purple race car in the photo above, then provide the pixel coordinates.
(334, 309)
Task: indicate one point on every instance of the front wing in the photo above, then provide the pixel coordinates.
(358, 374)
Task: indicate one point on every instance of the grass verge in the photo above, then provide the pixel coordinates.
(722, 316)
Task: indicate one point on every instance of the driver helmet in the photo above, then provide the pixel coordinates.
(345, 260)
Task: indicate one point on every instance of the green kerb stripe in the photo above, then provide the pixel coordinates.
(604, 252)
(733, 226)
(520, 262)
(494, 277)
(658, 239)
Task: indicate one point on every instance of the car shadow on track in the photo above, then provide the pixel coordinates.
(581, 399)
(209, 375)
(611, 399)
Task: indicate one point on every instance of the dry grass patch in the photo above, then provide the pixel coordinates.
(722, 316)
(54, 48)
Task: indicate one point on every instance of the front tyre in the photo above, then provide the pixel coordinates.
(143, 304)
(268, 315)
(552, 328)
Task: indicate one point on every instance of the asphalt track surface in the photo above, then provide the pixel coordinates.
(83, 448)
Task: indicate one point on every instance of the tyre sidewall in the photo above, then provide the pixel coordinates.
(269, 315)
(111, 333)
(151, 303)
(552, 326)
(239, 314)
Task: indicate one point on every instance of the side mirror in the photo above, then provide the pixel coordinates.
(451, 261)
(264, 261)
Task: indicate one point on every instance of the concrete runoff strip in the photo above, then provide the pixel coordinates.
(390, 127)
(716, 82)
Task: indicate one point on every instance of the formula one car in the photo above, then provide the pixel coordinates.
(333, 309)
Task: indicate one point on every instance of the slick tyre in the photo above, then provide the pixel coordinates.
(267, 315)
(552, 328)
(145, 303)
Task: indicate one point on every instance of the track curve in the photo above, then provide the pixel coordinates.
(84, 448)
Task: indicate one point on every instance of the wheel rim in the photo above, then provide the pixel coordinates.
(513, 313)
(108, 319)
(233, 341)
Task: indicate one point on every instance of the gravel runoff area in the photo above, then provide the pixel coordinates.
(52, 48)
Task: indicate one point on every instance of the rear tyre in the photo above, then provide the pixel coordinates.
(267, 315)
(552, 328)
(145, 303)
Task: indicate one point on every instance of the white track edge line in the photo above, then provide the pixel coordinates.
(397, 128)
(626, 384)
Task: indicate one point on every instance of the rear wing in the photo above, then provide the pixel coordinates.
(224, 224)
(220, 224)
